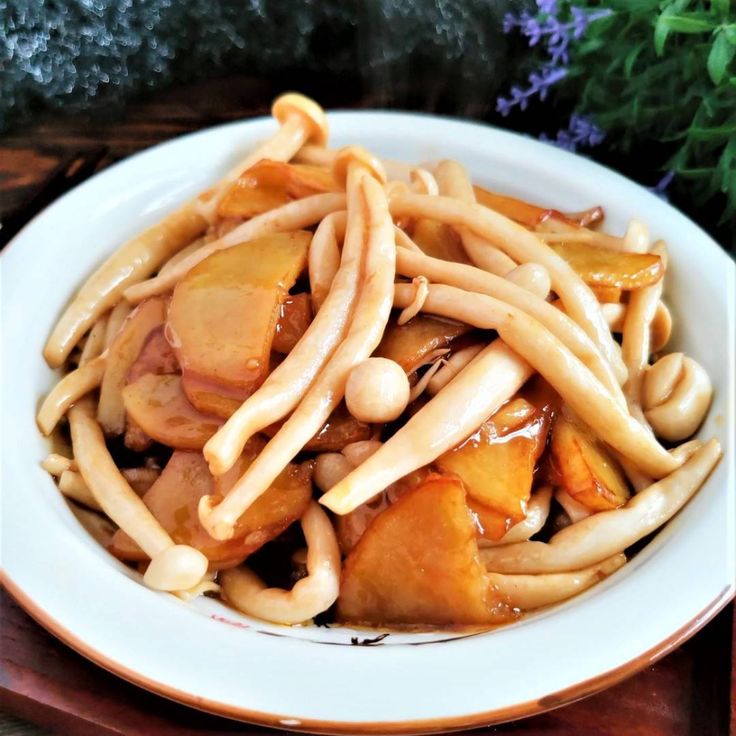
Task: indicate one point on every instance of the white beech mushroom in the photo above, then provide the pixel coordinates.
(72, 485)
(324, 257)
(369, 320)
(332, 467)
(555, 320)
(483, 386)
(453, 181)
(173, 566)
(288, 382)
(311, 595)
(531, 277)
(575, 510)
(329, 469)
(636, 342)
(527, 592)
(576, 383)
(94, 345)
(300, 118)
(325, 157)
(404, 241)
(131, 263)
(180, 255)
(608, 532)
(118, 314)
(452, 366)
(55, 464)
(568, 342)
(537, 511)
(377, 390)
(295, 215)
(420, 284)
(357, 452)
(661, 327)
(636, 239)
(676, 394)
(69, 389)
(423, 182)
(423, 383)
(524, 246)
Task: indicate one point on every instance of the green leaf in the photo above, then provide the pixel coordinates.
(662, 30)
(690, 23)
(720, 131)
(679, 5)
(721, 7)
(631, 58)
(729, 32)
(721, 53)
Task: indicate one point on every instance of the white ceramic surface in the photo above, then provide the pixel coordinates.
(236, 666)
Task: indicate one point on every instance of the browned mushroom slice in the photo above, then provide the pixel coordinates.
(409, 344)
(223, 316)
(270, 184)
(174, 497)
(159, 407)
(602, 267)
(588, 472)
(295, 316)
(417, 563)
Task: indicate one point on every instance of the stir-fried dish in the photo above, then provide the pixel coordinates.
(374, 392)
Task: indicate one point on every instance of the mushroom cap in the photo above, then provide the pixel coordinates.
(377, 390)
(178, 567)
(349, 154)
(312, 115)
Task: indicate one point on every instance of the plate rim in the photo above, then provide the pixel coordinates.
(415, 727)
(579, 690)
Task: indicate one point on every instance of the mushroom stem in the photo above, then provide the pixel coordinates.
(311, 595)
(69, 389)
(580, 302)
(295, 215)
(495, 375)
(609, 532)
(557, 322)
(324, 257)
(369, 320)
(566, 373)
(636, 343)
(534, 591)
(537, 511)
(453, 181)
(289, 381)
(172, 571)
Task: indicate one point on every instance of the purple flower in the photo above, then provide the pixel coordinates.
(509, 22)
(539, 84)
(547, 6)
(556, 33)
(660, 188)
(580, 132)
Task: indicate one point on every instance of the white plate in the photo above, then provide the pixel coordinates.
(210, 657)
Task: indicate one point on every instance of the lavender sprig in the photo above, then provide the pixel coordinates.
(539, 84)
(548, 27)
(661, 187)
(580, 132)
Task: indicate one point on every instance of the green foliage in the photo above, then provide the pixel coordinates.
(665, 70)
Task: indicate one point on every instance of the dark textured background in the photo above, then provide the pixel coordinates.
(88, 59)
(79, 54)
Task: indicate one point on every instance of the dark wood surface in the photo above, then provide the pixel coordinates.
(691, 691)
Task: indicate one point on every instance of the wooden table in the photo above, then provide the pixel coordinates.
(691, 691)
